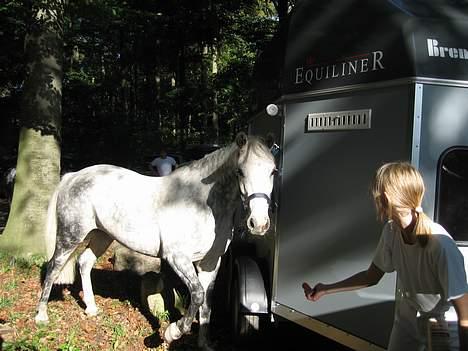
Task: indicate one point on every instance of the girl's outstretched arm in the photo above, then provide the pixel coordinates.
(363, 279)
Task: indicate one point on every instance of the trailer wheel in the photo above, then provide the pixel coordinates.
(244, 326)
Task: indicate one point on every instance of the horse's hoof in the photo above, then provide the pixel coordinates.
(172, 333)
(41, 319)
(92, 311)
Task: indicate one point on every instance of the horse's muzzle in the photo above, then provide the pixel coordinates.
(258, 221)
(258, 227)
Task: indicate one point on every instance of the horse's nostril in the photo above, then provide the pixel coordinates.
(251, 223)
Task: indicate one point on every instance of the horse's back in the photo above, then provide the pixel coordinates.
(107, 184)
(101, 170)
(101, 175)
(114, 200)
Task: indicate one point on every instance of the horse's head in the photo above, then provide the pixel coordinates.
(255, 169)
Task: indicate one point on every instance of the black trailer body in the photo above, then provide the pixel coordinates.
(357, 93)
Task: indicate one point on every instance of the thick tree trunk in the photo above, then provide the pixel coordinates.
(36, 176)
(38, 165)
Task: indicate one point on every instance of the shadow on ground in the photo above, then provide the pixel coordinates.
(125, 286)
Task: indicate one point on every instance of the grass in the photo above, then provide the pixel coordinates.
(121, 324)
(5, 302)
(118, 331)
(25, 265)
(71, 342)
(12, 285)
(163, 316)
(35, 343)
(18, 299)
(118, 334)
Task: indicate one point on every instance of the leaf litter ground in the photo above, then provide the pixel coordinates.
(122, 324)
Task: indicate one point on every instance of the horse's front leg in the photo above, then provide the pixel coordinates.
(184, 268)
(207, 279)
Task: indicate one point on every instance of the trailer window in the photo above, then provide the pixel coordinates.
(452, 193)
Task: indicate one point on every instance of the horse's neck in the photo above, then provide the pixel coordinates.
(213, 167)
(217, 172)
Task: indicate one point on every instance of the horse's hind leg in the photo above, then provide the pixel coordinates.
(184, 268)
(55, 265)
(98, 244)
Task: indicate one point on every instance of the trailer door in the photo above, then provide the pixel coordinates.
(327, 226)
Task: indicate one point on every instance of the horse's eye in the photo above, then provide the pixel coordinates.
(239, 172)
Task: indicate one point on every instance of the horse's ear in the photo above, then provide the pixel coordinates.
(241, 139)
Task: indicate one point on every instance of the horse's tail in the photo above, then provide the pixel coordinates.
(67, 274)
(51, 225)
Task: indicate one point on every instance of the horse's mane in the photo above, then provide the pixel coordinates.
(225, 158)
(215, 159)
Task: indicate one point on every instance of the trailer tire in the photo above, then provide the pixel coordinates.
(244, 326)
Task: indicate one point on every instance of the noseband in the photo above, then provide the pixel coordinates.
(255, 195)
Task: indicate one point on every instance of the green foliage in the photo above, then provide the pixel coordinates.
(31, 344)
(13, 16)
(35, 342)
(71, 343)
(5, 302)
(118, 331)
(24, 264)
(138, 74)
(162, 316)
(11, 285)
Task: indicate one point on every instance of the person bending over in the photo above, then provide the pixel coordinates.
(429, 266)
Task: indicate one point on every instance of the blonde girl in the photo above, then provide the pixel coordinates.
(429, 266)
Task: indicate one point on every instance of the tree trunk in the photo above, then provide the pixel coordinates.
(38, 165)
(214, 116)
(182, 112)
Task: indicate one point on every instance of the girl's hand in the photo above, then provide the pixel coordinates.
(313, 294)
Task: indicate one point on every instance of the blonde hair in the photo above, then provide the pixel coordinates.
(400, 185)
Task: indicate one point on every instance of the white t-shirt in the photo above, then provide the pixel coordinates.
(164, 165)
(427, 278)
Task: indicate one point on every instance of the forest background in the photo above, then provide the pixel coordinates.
(110, 81)
(140, 74)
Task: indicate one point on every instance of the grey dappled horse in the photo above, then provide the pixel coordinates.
(185, 218)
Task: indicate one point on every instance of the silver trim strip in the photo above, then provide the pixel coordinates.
(275, 272)
(417, 117)
(324, 329)
(375, 85)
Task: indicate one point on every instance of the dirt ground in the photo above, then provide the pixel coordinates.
(123, 324)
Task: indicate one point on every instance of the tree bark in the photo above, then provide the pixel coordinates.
(214, 115)
(38, 164)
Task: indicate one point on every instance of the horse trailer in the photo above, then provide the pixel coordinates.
(362, 83)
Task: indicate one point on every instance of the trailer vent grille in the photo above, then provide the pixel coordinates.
(339, 120)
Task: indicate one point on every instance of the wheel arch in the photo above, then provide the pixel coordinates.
(252, 293)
